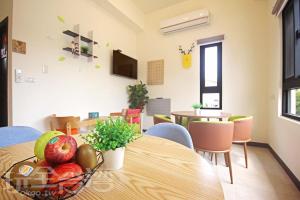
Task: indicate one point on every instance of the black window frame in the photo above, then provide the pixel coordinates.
(211, 89)
(292, 82)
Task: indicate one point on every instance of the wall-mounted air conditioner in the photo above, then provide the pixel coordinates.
(188, 20)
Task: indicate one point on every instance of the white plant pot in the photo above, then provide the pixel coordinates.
(197, 112)
(113, 160)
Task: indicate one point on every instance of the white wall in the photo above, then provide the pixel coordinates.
(244, 24)
(284, 134)
(75, 86)
(126, 11)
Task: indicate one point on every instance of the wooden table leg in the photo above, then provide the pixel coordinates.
(180, 120)
(189, 119)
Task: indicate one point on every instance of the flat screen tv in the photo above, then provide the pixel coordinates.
(124, 65)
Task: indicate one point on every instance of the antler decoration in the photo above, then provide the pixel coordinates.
(183, 51)
(191, 49)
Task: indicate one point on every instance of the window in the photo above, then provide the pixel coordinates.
(211, 76)
(291, 60)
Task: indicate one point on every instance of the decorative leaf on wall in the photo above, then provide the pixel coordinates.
(98, 66)
(61, 19)
(61, 58)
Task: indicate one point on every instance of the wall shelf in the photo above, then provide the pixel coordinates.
(69, 49)
(71, 33)
(83, 38)
(79, 39)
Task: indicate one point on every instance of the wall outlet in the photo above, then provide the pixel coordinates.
(30, 80)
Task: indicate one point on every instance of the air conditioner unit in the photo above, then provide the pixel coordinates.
(188, 20)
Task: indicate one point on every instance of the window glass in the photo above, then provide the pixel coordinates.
(294, 102)
(211, 100)
(289, 44)
(211, 66)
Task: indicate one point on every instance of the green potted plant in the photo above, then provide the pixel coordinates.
(84, 49)
(111, 137)
(197, 108)
(138, 97)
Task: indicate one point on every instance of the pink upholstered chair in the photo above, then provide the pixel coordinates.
(242, 132)
(213, 137)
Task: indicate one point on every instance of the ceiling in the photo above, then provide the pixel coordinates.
(148, 6)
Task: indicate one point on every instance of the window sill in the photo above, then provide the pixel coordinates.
(291, 118)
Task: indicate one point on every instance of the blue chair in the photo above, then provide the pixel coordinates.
(172, 132)
(17, 134)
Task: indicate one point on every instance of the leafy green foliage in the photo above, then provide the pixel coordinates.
(298, 102)
(197, 105)
(138, 95)
(110, 134)
(84, 49)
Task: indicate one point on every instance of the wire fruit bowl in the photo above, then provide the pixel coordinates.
(59, 190)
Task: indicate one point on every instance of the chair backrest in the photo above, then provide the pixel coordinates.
(157, 119)
(133, 116)
(211, 136)
(172, 132)
(17, 134)
(66, 124)
(242, 128)
(116, 114)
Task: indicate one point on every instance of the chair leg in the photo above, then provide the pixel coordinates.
(246, 156)
(230, 167)
(211, 156)
(216, 159)
(226, 159)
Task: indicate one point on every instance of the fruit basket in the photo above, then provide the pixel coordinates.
(59, 190)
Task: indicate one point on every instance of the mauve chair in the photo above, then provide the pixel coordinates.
(213, 137)
(242, 132)
(12, 135)
(157, 119)
(172, 132)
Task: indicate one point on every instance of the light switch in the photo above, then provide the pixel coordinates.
(19, 76)
(45, 69)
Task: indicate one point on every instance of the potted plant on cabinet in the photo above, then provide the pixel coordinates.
(197, 108)
(138, 97)
(111, 137)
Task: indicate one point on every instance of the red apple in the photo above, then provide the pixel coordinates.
(65, 172)
(60, 149)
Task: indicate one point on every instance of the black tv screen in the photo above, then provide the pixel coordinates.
(124, 65)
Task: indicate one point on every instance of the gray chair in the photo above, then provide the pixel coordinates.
(17, 134)
(172, 132)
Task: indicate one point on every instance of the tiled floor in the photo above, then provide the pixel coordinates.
(263, 180)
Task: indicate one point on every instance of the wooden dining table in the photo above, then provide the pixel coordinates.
(154, 168)
(190, 115)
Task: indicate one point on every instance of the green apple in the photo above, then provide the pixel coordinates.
(42, 141)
